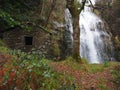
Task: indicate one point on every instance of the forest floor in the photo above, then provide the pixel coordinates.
(89, 77)
(84, 76)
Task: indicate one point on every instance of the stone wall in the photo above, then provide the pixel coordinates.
(16, 39)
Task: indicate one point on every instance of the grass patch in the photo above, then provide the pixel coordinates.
(76, 65)
(86, 67)
(116, 74)
(3, 48)
(94, 68)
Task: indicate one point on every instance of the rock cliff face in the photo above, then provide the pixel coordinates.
(110, 12)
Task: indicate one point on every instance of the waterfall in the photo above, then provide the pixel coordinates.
(95, 42)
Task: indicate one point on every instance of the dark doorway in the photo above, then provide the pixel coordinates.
(28, 40)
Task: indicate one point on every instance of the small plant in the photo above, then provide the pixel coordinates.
(116, 74)
(4, 50)
(106, 64)
(1, 43)
(102, 87)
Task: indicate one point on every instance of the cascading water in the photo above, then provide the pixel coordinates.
(94, 40)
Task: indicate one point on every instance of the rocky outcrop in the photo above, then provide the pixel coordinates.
(110, 12)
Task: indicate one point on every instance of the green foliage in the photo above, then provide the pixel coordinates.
(4, 50)
(77, 4)
(16, 13)
(76, 65)
(102, 87)
(30, 72)
(1, 43)
(99, 67)
(106, 64)
(85, 66)
(27, 72)
(94, 68)
(116, 74)
(7, 20)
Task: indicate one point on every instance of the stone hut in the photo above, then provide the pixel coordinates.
(39, 39)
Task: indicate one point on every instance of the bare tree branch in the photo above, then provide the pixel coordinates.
(82, 7)
(91, 3)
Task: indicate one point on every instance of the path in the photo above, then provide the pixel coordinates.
(86, 80)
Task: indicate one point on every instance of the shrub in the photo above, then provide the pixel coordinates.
(31, 73)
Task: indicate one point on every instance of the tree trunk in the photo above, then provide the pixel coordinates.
(76, 29)
(76, 38)
(73, 8)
